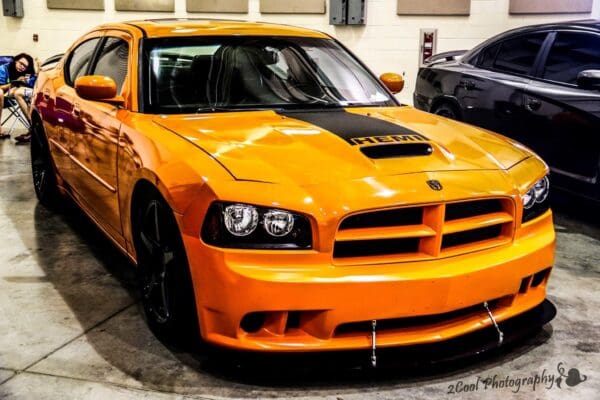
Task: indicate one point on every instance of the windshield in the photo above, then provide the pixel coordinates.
(204, 74)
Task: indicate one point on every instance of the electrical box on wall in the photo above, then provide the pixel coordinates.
(347, 12)
(337, 12)
(357, 12)
(12, 8)
(427, 45)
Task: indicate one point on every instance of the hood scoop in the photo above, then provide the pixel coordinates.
(397, 150)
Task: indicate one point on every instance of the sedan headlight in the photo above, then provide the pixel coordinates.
(536, 200)
(278, 223)
(245, 226)
(240, 219)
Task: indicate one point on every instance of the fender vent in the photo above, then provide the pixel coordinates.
(397, 150)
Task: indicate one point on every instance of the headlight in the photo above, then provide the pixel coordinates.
(529, 199)
(278, 223)
(536, 200)
(245, 226)
(240, 219)
(541, 189)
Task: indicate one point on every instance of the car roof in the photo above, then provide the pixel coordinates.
(588, 25)
(174, 27)
(584, 24)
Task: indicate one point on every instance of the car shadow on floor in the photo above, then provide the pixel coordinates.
(576, 214)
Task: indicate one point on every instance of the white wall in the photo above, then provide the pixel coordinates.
(387, 43)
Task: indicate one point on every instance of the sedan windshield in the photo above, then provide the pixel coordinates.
(204, 74)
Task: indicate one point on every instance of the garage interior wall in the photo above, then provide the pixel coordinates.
(388, 42)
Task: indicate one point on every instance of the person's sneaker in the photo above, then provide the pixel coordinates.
(24, 138)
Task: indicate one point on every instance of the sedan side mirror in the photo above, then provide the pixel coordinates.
(98, 88)
(393, 81)
(589, 79)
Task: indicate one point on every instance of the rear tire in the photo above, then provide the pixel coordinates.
(42, 170)
(164, 276)
(447, 110)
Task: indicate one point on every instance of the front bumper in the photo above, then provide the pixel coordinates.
(300, 301)
(413, 359)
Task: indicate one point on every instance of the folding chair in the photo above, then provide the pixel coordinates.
(11, 107)
(14, 112)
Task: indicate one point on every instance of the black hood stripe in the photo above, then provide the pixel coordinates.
(356, 129)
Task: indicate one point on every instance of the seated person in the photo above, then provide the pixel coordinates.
(16, 81)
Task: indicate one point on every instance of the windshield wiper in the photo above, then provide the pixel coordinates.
(215, 109)
(230, 109)
(289, 106)
(311, 106)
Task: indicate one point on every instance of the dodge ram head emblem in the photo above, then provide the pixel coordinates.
(435, 184)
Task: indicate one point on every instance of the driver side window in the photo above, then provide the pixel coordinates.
(113, 60)
(572, 53)
(80, 60)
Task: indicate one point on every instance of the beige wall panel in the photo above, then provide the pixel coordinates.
(218, 6)
(434, 7)
(76, 5)
(145, 5)
(550, 6)
(292, 6)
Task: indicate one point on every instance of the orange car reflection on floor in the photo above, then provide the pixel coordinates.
(276, 197)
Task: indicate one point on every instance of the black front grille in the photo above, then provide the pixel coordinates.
(380, 247)
(472, 236)
(398, 217)
(424, 231)
(472, 209)
(411, 322)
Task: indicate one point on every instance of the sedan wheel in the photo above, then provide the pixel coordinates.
(156, 288)
(44, 178)
(165, 281)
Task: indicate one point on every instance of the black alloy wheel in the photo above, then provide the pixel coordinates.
(164, 276)
(44, 177)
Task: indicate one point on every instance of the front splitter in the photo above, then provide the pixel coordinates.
(253, 365)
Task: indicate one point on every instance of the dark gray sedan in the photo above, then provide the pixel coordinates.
(539, 85)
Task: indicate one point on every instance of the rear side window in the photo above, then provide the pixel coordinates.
(80, 60)
(518, 55)
(112, 61)
(572, 53)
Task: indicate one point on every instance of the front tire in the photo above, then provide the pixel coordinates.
(164, 276)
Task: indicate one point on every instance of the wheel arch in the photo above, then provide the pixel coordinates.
(146, 185)
(35, 119)
(448, 100)
(35, 115)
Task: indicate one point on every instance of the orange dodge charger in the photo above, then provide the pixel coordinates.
(275, 196)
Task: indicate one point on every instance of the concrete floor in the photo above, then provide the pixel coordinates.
(71, 326)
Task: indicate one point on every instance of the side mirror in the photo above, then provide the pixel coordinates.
(393, 81)
(589, 79)
(98, 88)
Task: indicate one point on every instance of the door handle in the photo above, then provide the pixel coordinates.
(467, 84)
(533, 104)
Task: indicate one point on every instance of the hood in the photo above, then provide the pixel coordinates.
(314, 147)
